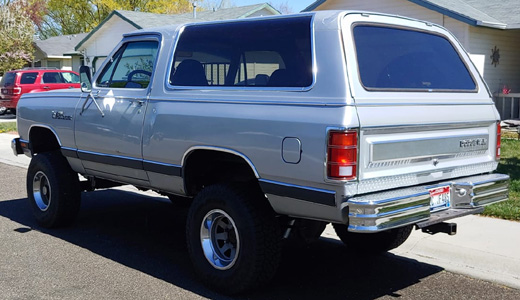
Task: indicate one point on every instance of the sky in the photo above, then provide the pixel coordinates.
(295, 5)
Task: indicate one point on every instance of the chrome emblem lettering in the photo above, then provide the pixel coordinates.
(473, 143)
(59, 115)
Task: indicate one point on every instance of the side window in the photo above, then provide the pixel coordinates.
(272, 53)
(257, 67)
(28, 78)
(70, 77)
(130, 67)
(52, 77)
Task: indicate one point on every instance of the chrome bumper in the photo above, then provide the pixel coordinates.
(386, 210)
(20, 147)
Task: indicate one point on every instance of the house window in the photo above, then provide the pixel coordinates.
(54, 64)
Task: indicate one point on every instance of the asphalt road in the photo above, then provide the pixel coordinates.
(126, 245)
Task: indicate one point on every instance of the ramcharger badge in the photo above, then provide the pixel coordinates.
(473, 143)
(59, 115)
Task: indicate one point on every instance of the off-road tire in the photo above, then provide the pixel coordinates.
(372, 243)
(53, 190)
(258, 236)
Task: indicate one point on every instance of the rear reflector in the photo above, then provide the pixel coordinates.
(499, 143)
(342, 155)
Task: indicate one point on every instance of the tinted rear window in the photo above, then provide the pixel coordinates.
(52, 77)
(272, 53)
(28, 78)
(7, 79)
(395, 58)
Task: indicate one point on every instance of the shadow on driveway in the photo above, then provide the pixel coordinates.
(147, 234)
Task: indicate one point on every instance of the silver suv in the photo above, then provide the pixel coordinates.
(270, 128)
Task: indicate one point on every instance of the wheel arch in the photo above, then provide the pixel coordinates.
(212, 160)
(43, 138)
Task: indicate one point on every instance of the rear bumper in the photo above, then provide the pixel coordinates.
(386, 210)
(7, 103)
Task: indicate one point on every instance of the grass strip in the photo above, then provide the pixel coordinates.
(509, 164)
(7, 127)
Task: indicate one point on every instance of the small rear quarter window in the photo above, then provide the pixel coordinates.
(402, 59)
(28, 78)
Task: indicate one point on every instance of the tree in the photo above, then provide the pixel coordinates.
(16, 35)
(78, 16)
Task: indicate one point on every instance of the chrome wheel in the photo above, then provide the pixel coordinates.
(220, 239)
(41, 191)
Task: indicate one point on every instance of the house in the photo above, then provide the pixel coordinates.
(488, 29)
(58, 52)
(101, 40)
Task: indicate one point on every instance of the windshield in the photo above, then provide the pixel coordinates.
(400, 59)
(7, 79)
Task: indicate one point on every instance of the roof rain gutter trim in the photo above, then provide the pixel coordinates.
(492, 24)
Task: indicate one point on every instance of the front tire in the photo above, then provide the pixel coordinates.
(372, 243)
(233, 238)
(53, 190)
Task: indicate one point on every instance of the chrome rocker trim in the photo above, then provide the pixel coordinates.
(391, 209)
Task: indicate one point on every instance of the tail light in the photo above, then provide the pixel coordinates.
(499, 135)
(342, 155)
(17, 90)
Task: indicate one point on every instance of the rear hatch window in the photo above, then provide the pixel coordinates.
(8, 79)
(393, 58)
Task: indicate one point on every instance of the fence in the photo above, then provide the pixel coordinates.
(508, 105)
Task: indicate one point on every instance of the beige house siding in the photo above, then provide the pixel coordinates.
(105, 39)
(507, 72)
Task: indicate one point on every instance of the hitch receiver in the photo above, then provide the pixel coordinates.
(443, 227)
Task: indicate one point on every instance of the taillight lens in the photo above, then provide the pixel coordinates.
(499, 135)
(17, 90)
(342, 155)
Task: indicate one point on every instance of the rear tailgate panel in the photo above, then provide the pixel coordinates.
(408, 153)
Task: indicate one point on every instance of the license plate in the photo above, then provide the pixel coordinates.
(440, 198)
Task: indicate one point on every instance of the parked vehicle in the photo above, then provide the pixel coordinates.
(274, 127)
(31, 80)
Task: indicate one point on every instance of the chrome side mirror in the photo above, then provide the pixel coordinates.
(85, 79)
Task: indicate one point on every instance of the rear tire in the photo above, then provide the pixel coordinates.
(372, 243)
(53, 190)
(233, 238)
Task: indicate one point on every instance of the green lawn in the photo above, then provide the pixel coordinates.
(509, 164)
(7, 127)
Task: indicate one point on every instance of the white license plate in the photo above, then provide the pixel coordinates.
(440, 198)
